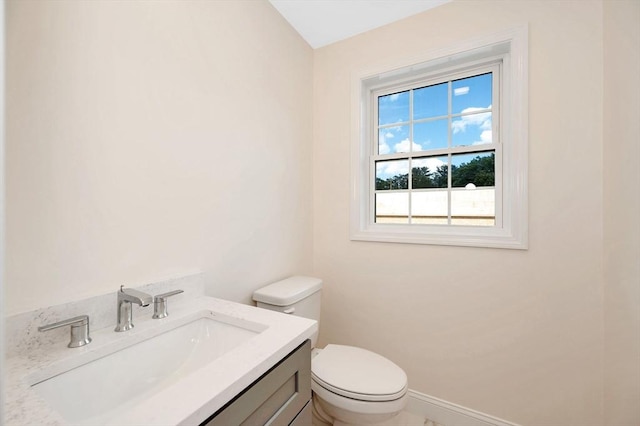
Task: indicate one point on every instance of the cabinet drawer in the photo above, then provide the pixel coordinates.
(276, 398)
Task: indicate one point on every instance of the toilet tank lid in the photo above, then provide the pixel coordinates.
(288, 291)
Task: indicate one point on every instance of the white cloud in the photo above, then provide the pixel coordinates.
(394, 97)
(461, 91)
(481, 120)
(432, 163)
(403, 146)
(386, 169)
(485, 137)
(383, 148)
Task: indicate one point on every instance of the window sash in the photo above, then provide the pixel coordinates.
(494, 66)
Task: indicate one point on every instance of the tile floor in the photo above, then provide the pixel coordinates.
(408, 419)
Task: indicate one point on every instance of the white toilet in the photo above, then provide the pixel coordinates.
(350, 385)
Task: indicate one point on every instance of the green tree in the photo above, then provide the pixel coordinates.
(440, 177)
(480, 171)
(395, 182)
(421, 177)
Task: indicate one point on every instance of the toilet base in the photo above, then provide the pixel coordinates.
(319, 417)
(326, 414)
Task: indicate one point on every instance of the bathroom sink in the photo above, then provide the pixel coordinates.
(96, 392)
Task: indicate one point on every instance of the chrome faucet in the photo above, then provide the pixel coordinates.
(127, 296)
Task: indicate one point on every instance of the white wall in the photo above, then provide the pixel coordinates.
(621, 143)
(149, 139)
(2, 209)
(516, 334)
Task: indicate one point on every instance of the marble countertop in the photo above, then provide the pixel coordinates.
(190, 400)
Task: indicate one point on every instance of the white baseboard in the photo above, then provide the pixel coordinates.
(449, 414)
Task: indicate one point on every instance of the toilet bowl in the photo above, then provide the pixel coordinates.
(356, 386)
(351, 385)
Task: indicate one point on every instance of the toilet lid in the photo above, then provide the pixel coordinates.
(358, 374)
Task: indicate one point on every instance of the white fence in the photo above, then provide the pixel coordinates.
(475, 206)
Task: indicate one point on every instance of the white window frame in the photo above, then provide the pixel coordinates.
(509, 48)
(493, 66)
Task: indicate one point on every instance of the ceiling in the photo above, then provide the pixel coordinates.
(322, 22)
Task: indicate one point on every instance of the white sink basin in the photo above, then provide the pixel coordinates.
(96, 392)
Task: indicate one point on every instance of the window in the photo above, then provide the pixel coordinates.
(434, 150)
(439, 153)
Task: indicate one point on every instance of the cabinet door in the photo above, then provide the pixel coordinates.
(304, 417)
(274, 399)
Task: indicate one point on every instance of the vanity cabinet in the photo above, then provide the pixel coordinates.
(280, 397)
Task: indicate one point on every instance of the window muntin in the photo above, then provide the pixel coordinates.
(435, 151)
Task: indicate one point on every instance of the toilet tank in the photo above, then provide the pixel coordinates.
(296, 295)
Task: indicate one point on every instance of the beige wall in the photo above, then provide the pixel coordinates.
(622, 212)
(516, 334)
(151, 139)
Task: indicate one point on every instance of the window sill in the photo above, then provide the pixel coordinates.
(464, 236)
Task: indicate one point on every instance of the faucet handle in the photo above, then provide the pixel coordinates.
(79, 330)
(160, 303)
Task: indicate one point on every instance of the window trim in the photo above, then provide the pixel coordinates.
(512, 46)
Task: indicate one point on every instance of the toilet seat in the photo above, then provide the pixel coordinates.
(358, 374)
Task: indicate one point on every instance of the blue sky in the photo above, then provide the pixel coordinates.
(468, 96)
